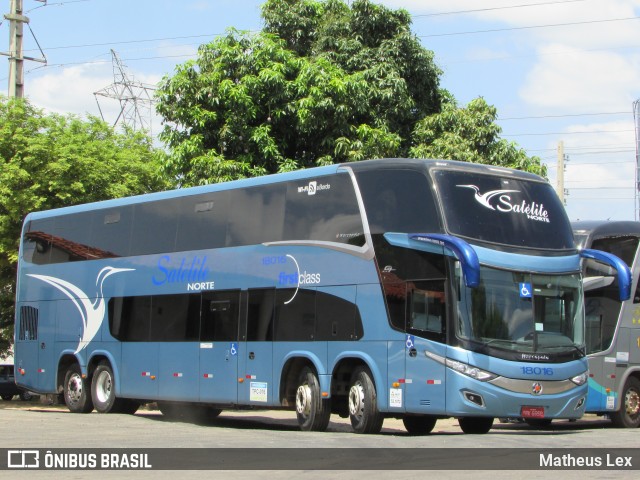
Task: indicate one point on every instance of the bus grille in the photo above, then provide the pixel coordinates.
(28, 323)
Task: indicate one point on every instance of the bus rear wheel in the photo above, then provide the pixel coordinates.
(475, 425)
(363, 407)
(312, 411)
(103, 393)
(76, 391)
(629, 414)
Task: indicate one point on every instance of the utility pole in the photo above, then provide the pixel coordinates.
(15, 54)
(636, 119)
(562, 158)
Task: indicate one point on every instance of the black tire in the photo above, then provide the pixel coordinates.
(475, 425)
(25, 396)
(628, 416)
(419, 424)
(76, 391)
(312, 410)
(103, 393)
(7, 398)
(363, 407)
(539, 423)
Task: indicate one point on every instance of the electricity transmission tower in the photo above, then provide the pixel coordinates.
(136, 102)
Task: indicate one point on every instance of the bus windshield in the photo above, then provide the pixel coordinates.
(499, 210)
(522, 312)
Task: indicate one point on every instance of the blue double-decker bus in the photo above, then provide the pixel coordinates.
(404, 288)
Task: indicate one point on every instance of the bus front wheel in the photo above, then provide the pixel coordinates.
(363, 407)
(475, 425)
(312, 411)
(76, 391)
(629, 414)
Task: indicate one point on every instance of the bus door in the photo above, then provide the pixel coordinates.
(426, 321)
(601, 314)
(256, 349)
(219, 348)
(139, 367)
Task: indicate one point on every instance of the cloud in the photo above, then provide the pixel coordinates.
(71, 90)
(600, 171)
(579, 80)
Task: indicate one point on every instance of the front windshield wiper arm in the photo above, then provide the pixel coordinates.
(582, 351)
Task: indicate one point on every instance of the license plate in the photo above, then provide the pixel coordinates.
(532, 412)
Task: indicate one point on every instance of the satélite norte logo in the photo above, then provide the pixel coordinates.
(313, 187)
(500, 200)
(193, 272)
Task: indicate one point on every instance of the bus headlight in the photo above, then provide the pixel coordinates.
(463, 368)
(580, 379)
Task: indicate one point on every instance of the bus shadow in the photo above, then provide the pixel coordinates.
(555, 427)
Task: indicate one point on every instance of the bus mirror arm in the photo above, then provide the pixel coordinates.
(624, 274)
(462, 251)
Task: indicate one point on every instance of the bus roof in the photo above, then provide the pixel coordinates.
(594, 229)
(426, 164)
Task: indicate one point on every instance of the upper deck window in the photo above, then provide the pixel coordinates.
(398, 201)
(505, 211)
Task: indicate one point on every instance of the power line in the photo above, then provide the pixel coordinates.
(563, 115)
(488, 9)
(527, 27)
(585, 147)
(565, 133)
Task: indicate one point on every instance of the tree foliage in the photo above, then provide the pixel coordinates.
(471, 135)
(324, 82)
(51, 161)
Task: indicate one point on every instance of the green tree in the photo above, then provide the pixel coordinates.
(471, 135)
(50, 161)
(324, 82)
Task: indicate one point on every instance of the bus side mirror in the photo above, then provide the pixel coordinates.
(624, 274)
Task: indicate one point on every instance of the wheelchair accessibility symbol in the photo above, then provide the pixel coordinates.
(233, 348)
(409, 342)
(525, 290)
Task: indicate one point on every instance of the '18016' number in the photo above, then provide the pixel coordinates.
(537, 371)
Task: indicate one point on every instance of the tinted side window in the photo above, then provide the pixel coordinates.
(220, 314)
(175, 318)
(202, 221)
(325, 209)
(155, 227)
(81, 236)
(260, 313)
(338, 319)
(398, 201)
(295, 315)
(427, 309)
(111, 231)
(255, 215)
(130, 318)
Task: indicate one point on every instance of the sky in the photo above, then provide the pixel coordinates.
(556, 70)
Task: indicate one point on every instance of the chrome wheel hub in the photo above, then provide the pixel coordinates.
(75, 388)
(303, 400)
(356, 400)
